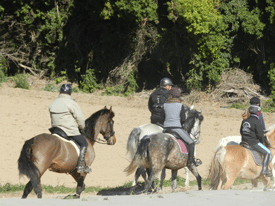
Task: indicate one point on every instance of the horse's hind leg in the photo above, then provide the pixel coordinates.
(174, 179)
(150, 180)
(139, 171)
(27, 190)
(162, 177)
(187, 176)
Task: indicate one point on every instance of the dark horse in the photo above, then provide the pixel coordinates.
(46, 151)
(159, 151)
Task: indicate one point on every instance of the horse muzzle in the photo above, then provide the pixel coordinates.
(111, 140)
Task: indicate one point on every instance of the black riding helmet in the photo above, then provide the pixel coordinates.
(66, 89)
(255, 101)
(166, 81)
(254, 109)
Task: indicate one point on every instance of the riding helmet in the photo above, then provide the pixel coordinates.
(66, 89)
(255, 101)
(166, 81)
(254, 109)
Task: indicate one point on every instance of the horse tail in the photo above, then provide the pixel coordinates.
(216, 168)
(25, 162)
(133, 142)
(140, 158)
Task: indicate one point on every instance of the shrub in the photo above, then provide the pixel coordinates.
(21, 81)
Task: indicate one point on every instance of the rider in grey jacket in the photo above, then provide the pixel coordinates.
(67, 116)
(174, 118)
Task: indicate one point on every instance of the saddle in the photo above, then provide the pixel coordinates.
(258, 157)
(63, 135)
(183, 146)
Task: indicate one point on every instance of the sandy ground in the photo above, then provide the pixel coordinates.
(24, 114)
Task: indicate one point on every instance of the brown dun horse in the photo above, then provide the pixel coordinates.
(46, 151)
(234, 161)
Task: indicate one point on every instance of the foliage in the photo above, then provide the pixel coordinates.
(51, 88)
(21, 81)
(89, 84)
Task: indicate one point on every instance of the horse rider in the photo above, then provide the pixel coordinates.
(157, 99)
(174, 117)
(68, 118)
(252, 134)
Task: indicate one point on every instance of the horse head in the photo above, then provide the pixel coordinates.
(101, 122)
(193, 123)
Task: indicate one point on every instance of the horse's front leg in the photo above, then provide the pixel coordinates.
(174, 179)
(80, 183)
(195, 172)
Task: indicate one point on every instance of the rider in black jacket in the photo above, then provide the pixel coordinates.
(252, 134)
(157, 99)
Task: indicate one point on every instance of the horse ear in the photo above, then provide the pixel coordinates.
(192, 107)
(111, 109)
(200, 111)
(105, 107)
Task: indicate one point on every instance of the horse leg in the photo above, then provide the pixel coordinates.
(162, 177)
(195, 172)
(254, 183)
(27, 190)
(80, 183)
(187, 176)
(153, 185)
(229, 182)
(265, 180)
(174, 179)
(150, 180)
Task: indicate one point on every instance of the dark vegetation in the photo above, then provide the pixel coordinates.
(125, 46)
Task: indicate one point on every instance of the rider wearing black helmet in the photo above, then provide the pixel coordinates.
(157, 99)
(252, 133)
(67, 119)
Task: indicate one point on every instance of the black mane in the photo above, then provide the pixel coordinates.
(91, 122)
(190, 120)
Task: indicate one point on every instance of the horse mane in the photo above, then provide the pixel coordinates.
(189, 122)
(91, 121)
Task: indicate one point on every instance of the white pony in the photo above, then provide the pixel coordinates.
(233, 140)
(147, 129)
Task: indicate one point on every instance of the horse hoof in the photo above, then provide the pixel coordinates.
(75, 196)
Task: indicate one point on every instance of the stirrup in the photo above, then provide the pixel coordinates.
(84, 169)
(268, 173)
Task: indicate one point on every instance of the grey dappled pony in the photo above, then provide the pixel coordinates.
(192, 126)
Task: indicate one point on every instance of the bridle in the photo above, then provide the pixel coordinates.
(112, 132)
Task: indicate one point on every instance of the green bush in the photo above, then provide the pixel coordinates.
(89, 83)
(51, 88)
(21, 81)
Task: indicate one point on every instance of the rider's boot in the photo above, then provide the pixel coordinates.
(191, 159)
(81, 165)
(265, 171)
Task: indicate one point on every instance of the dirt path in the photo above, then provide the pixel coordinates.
(24, 114)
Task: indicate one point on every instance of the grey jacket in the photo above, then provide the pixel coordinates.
(67, 115)
(174, 115)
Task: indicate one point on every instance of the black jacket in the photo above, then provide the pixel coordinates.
(155, 104)
(252, 130)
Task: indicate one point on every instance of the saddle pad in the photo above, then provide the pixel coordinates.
(71, 142)
(182, 146)
(256, 156)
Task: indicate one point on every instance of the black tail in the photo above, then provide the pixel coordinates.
(25, 162)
